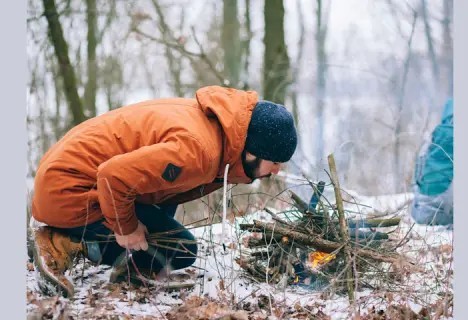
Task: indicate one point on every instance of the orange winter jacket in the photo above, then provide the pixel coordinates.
(154, 152)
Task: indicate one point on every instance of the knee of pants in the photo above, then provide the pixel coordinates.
(421, 217)
(430, 215)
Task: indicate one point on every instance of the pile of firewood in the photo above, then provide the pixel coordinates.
(314, 244)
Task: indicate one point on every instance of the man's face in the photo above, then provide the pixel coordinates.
(256, 168)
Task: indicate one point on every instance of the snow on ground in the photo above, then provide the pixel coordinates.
(220, 280)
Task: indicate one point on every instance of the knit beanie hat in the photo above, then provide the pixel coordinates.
(271, 134)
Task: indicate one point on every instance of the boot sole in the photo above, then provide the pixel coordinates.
(50, 278)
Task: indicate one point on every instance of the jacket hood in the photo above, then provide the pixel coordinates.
(233, 110)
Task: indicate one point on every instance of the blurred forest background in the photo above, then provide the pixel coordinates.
(365, 79)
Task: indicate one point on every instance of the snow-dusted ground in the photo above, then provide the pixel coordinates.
(420, 288)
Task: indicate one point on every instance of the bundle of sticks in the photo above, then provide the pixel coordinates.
(315, 241)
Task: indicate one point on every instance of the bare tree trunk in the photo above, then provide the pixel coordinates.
(58, 131)
(276, 60)
(430, 44)
(297, 70)
(174, 63)
(231, 43)
(91, 85)
(45, 138)
(275, 65)
(401, 98)
(112, 80)
(296, 76)
(66, 70)
(148, 72)
(246, 47)
(447, 50)
(320, 37)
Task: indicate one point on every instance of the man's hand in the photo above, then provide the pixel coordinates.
(135, 240)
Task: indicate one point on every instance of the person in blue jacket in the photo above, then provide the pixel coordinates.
(433, 189)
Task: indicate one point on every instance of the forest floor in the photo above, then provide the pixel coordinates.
(222, 290)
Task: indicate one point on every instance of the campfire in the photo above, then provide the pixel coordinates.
(314, 244)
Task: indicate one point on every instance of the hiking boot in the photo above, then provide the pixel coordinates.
(53, 255)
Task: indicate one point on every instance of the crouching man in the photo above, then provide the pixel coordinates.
(113, 179)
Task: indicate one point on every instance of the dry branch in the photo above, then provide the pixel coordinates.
(327, 246)
(373, 223)
(343, 227)
(298, 202)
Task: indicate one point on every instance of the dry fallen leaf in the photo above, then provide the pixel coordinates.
(221, 285)
(445, 248)
(389, 297)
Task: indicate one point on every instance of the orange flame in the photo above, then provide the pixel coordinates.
(318, 258)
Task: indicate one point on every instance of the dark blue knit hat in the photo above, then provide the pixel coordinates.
(271, 134)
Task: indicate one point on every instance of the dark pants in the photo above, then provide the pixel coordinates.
(176, 249)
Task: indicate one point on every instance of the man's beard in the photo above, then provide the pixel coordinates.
(251, 166)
